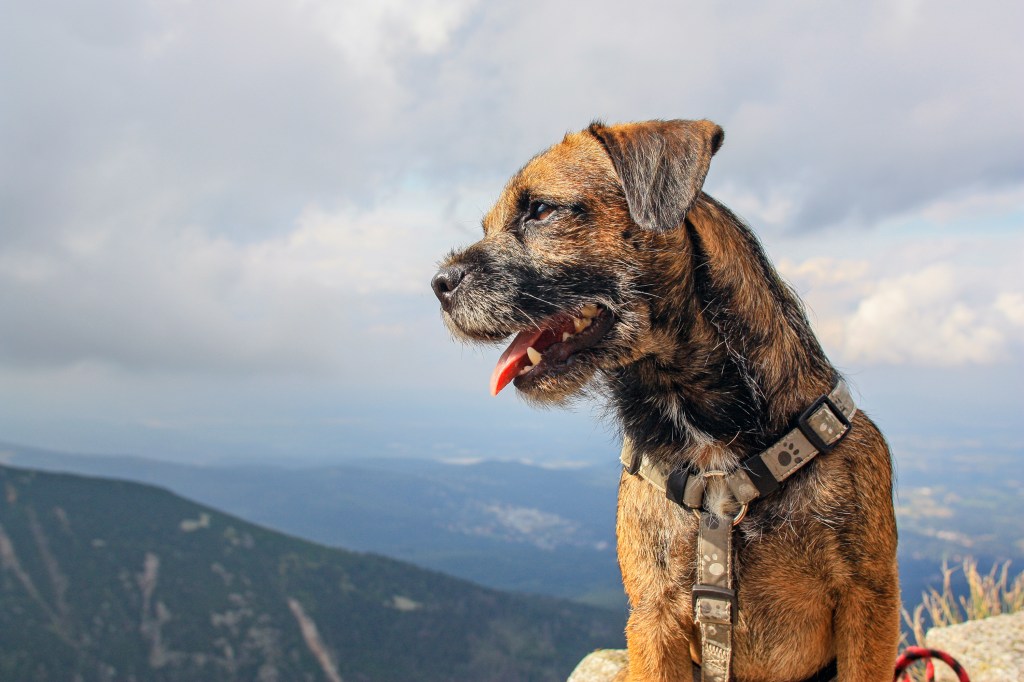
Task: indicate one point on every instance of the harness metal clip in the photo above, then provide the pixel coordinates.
(740, 515)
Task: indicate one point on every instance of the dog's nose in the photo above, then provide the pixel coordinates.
(445, 282)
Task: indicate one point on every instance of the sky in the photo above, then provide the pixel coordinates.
(218, 221)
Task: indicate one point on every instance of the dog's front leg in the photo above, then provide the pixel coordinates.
(658, 644)
(867, 632)
(656, 540)
(867, 629)
(867, 617)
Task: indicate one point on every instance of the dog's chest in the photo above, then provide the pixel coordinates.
(775, 568)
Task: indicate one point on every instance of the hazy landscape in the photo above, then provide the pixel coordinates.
(522, 527)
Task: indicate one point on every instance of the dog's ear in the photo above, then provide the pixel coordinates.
(661, 164)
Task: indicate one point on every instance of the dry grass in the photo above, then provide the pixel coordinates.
(988, 594)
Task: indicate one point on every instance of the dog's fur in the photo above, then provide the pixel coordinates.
(708, 360)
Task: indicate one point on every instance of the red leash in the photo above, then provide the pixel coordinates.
(913, 654)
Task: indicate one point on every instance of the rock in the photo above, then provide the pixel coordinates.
(991, 649)
(601, 666)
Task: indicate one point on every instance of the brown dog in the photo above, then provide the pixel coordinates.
(617, 275)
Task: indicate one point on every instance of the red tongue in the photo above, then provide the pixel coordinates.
(513, 359)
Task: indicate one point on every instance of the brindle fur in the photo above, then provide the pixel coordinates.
(710, 360)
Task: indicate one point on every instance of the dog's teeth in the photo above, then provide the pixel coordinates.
(566, 336)
(590, 310)
(525, 370)
(533, 355)
(579, 324)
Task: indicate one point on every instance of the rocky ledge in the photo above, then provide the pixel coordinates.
(601, 666)
(991, 650)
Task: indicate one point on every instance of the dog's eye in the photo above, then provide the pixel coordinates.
(539, 210)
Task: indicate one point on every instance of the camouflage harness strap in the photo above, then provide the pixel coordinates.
(819, 429)
(714, 599)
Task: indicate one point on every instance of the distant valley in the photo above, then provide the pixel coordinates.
(117, 581)
(550, 531)
(501, 524)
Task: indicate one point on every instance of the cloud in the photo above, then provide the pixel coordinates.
(936, 303)
(1011, 305)
(372, 32)
(237, 116)
(188, 300)
(844, 115)
(252, 186)
(916, 319)
(233, 117)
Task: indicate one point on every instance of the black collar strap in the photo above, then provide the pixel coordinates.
(819, 429)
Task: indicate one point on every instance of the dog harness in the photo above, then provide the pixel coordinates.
(715, 608)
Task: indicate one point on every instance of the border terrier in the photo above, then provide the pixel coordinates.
(616, 276)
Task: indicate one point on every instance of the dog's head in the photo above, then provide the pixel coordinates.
(564, 264)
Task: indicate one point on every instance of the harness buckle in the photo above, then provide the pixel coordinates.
(717, 593)
(812, 435)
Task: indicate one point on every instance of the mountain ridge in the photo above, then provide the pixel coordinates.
(106, 580)
(506, 525)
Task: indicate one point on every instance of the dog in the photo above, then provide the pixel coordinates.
(616, 276)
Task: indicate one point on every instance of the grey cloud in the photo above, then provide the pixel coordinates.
(870, 109)
(234, 116)
(230, 116)
(328, 299)
(147, 305)
(128, 126)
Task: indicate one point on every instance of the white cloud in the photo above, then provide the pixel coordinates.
(369, 32)
(916, 319)
(389, 249)
(1012, 306)
(774, 208)
(959, 302)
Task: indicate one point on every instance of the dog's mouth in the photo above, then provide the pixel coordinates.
(551, 348)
